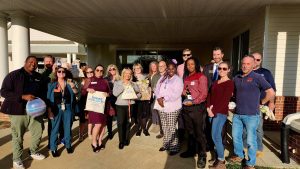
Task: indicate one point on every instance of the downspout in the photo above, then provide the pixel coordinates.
(284, 136)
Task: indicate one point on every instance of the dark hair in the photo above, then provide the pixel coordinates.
(82, 64)
(55, 74)
(50, 56)
(101, 66)
(171, 63)
(197, 66)
(218, 48)
(29, 57)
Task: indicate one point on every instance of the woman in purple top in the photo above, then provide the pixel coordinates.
(217, 109)
(170, 105)
(98, 83)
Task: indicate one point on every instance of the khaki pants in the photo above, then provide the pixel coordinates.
(19, 125)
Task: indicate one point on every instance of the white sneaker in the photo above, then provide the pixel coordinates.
(37, 156)
(18, 165)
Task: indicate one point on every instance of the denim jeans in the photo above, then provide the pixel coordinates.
(218, 122)
(250, 122)
(260, 135)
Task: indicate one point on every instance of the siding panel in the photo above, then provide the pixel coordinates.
(282, 54)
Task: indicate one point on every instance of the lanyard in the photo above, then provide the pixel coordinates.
(62, 91)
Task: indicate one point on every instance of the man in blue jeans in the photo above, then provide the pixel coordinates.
(248, 88)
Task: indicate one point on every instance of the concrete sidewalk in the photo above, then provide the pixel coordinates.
(142, 153)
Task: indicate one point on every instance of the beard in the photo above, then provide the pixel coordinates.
(48, 66)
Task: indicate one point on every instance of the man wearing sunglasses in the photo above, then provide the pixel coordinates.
(271, 104)
(186, 53)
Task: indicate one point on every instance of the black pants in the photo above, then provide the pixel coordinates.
(143, 114)
(123, 123)
(194, 118)
(109, 121)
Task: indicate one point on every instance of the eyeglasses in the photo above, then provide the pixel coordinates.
(222, 68)
(258, 60)
(61, 71)
(112, 69)
(186, 54)
(98, 70)
(90, 72)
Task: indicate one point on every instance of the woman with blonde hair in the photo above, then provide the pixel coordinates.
(124, 106)
(143, 104)
(112, 75)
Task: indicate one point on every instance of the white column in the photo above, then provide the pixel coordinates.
(3, 47)
(69, 58)
(20, 38)
(73, 57)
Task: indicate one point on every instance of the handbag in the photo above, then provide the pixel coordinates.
(157, 106)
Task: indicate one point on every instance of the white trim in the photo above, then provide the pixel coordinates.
(266, 34)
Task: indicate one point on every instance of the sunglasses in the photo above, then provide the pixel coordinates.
(61, 71)
(112, 69)
(258, 60)
(90, 72)
(222, 68)
(186, 54)
(98, 70)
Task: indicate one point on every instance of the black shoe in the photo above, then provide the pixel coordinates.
(126, 143)
(187, 154)
(146, 133)
(101, 147)
(172, 153)
(159, 136)
(162, 149)
(54, 153)
(121, 145)
(138, 133)
(201, 163)
(110, 136)
(95, 149)
(70, 150)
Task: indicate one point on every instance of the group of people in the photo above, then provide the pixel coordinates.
(176, 99)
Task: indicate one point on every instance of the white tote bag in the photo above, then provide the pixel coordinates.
(95, 102)
(129, 93)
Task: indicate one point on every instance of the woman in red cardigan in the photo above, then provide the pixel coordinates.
(217, 108)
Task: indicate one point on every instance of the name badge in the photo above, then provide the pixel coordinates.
(192, 83)
(93, 83)
(210, 71)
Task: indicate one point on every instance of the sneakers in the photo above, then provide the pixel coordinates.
(37, 156)
(18, 165)
(62, 141)
(146, 133)
(235, 159)
(218, 165)
(259, 154)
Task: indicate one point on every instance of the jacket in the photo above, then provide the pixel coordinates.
(12, 90)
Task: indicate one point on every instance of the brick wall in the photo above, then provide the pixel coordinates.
(294, 146)
(284, 105)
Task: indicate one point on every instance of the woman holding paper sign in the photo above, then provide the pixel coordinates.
(170, 103)
(125, 91)
(98, 83)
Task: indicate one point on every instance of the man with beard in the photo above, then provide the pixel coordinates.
(49, 67)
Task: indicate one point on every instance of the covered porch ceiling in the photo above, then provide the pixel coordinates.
(140, 21)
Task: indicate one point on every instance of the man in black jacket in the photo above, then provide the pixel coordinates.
(18, 87)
